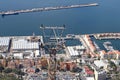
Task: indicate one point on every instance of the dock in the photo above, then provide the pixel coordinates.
(14, 12)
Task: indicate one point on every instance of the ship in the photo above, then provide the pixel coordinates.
(9, 13)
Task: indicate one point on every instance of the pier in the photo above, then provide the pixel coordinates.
(14, 12)
(107, 36)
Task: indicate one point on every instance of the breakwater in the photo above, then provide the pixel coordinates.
(14, 12)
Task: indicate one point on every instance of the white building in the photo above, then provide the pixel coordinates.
(101, 63)
(4, 43)
(75, 50)
(18, 55)
(99, 74)
(27, 45)
(90, 78)
(26, 54)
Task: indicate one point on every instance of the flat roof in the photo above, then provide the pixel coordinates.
(4, 41)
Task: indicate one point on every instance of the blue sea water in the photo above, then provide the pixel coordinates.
(102, 18)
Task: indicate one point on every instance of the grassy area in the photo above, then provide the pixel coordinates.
(8, 77)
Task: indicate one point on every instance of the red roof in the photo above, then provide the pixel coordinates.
(87, 70)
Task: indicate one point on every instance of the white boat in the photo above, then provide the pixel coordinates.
(108, 46)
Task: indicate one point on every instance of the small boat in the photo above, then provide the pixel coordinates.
(107, 42)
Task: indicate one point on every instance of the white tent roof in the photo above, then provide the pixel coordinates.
(72, 51)
(24, 44)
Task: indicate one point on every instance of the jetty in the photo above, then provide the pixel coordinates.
(14, 12)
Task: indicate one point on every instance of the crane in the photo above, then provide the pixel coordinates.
(52, 47)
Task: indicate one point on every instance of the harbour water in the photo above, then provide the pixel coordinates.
(115, 43)
(102, 18)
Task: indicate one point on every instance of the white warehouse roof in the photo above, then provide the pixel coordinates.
(72, 51)
(24, 44)
(4, 41)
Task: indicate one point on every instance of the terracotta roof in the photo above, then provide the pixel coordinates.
(87, 70)
(103, 51)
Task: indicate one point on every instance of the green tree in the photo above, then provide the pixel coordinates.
(112, 65)
(1, 57)
(62, 59)
(17, 71)
(8, 77)
(8, 70)
(1, 68)
(89, 56)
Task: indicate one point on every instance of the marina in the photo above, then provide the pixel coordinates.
(14, 12)
(107, 44)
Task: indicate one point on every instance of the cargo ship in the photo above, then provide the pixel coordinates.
(9, 13)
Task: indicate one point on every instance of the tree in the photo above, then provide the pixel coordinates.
(15, 70)
(112, 65)
(1, 68)
(95, 52)
(89, 56)
(8, 70)
(18, 71)
(61, 59)
(1, 57)
(101, 67)
(76, 69)
(98, 58)
(8, 77)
